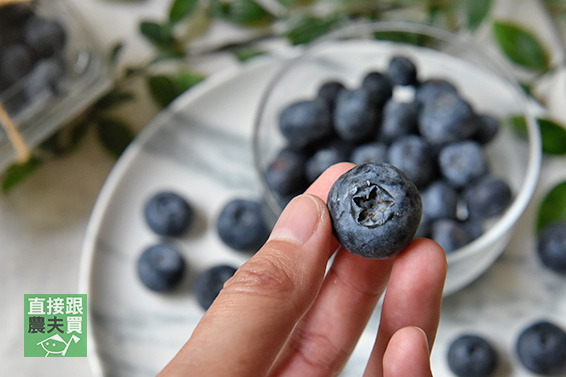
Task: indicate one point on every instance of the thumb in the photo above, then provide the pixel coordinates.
(258, 307)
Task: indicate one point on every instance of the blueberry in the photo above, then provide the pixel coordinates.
(210, 282)
(431, 88)
(446, 118)
(325, 157)
(414, 155)
(440, 200)
(328, 92)
(375, 210)
(161, 267)
(241, 225)
(402, 71)
(16, 61)
(168, 214)
(472, 356)
(379, 88)
(541, 348)
(551, 246)
(286, 173)
(450, 234)
(305, 122)
(44, 36)
(356, 118)
(487, 197)
(369, 152)
(487, 129)
(45, 75)
(462, 162)
(399, 119)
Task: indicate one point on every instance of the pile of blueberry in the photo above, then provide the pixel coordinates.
(32, 49)
(433, 134)
(540, 347)
(162, 267)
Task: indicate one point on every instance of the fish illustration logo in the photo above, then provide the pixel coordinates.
(56, 344)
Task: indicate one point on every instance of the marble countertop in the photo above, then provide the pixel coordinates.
(44, 221)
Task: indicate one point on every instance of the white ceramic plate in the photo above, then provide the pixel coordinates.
(201, 147)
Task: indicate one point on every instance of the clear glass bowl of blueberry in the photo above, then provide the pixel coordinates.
(51, 67)
(433, 104)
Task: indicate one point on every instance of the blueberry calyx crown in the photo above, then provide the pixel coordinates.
(372, 205)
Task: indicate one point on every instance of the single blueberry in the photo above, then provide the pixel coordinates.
(440, 200)
(487, 128)
(306, 122)
(487, 197)
(541, 348)
(462, 162)
(16, 61)
(161, 267)
(472, 356)
(375, 210)
(431, 88)
(414, 155)
(286, 173)
(210, 282)
(328, 92)
(379, 88)
(369, 152)
(446, 118)
(241, 225)
(168, 213)
(356, 118)
(44, 36)
(551, 246)
(402, 71)
(332, 153)
(399, 119)
(450, 234)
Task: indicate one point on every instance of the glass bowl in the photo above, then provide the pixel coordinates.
(348, 54)
(38, 111)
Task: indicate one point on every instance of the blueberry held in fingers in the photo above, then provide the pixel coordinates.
(375, 210)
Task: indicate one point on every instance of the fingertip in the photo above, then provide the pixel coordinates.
(407, 343)
(324, 182)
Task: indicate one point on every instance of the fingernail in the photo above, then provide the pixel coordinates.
(299, 220)
(425, 337)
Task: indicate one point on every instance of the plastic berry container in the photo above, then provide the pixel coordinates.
(348, 54)
(53, 68)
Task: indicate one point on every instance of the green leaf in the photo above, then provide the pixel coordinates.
(77, 133)
(246, 13)
(114, 98)
(553, 207)
(160, 35)
(162, 89)
(553, 137)
(244, 54)
(114, 134)
(115, 52)
(476, 11)
(520, 46)
(308, 28)
(18, 171)
(181, 9)
(186, 80)
(519, 125)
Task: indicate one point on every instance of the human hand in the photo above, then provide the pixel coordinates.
(281, 315)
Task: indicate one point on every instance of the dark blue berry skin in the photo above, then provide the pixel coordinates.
(241, 225)
(487, 197)
(333, 153)
(414, 155)
(472, 356)
(328, 92)
(541, 348)
(399, 119)
(375, 210)
(306, 122)
(487, 129)
(431, 88)
(286, 173)
(379, 88)
(450, 234)
(446, 118)
(13, 15)
(161, 267)
(440, 201)
(356, 118)
(551, 246)
(168, 214)
(210, 282)
(369, 152)
(462, 162)
(16, 61)
(402, 71)
(44, 36)
(45, 75)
